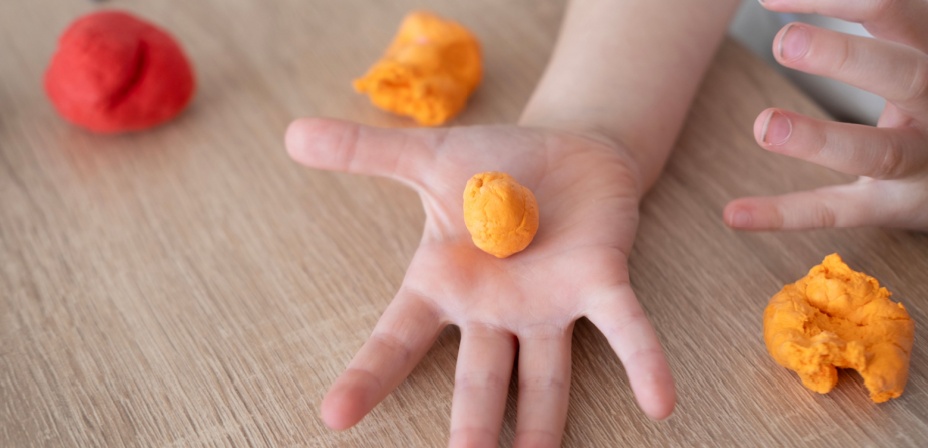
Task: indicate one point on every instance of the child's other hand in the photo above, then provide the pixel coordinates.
(892, 158)
(520, 307)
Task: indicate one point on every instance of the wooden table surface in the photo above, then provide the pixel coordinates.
(191, 286)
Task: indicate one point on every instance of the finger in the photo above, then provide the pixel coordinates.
(892, 71)
(620, 318)
(850, 205)
(544, 386)
(850, 148)
(901, 21)
(481, 385)
(345, 146)
(407, 329)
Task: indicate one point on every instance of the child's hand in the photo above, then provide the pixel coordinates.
(892, 158)
(588, 193)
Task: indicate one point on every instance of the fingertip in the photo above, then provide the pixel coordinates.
(788, 51)
(774, 5)
(661, 410)
(655, 391)
(773, 130)
(760, 124)
(299, 136)
(760, 213)
(661, 407)
(314, 141)
(737, 215)
(339, 412)
(295, 136)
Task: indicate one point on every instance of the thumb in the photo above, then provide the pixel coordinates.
(337, 145)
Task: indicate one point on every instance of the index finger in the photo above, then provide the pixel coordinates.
(404, 334)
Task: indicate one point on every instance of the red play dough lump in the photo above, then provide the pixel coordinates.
(114, 72)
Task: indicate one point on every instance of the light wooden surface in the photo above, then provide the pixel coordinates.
(191, 286)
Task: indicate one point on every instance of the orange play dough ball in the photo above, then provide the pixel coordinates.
(835, 317)
(500, 214)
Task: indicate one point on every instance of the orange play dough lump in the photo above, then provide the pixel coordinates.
(837, 317)
(428, 72)
(500, 214)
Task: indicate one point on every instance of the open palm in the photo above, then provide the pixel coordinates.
(587, 192)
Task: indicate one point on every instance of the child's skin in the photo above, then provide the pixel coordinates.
(590, 143)
(892, 158)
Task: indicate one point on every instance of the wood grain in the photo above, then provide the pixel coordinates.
(191, 286)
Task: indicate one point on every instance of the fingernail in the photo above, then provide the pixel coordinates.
(777, 129)
(741, 218)
(794, 43)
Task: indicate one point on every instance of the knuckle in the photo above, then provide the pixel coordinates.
(348, 146)
(544, 383)
(918, 85)
(534, 437)
(364, 376)
(474, 381)
(822, 138)
(646, 355)
(920, 211)
(471, 436)
(544, 331)
(844, 55)
(396, 347)
(823, 216)
(891, 162)
(633, 316)
(777, 218)
(879, 9)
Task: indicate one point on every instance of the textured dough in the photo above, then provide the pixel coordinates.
(837, 317)
(428, 72)
(114, 72)
(500, 214)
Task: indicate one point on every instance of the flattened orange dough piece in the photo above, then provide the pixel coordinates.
(835, 317)
(428, 72)
(500, 214)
